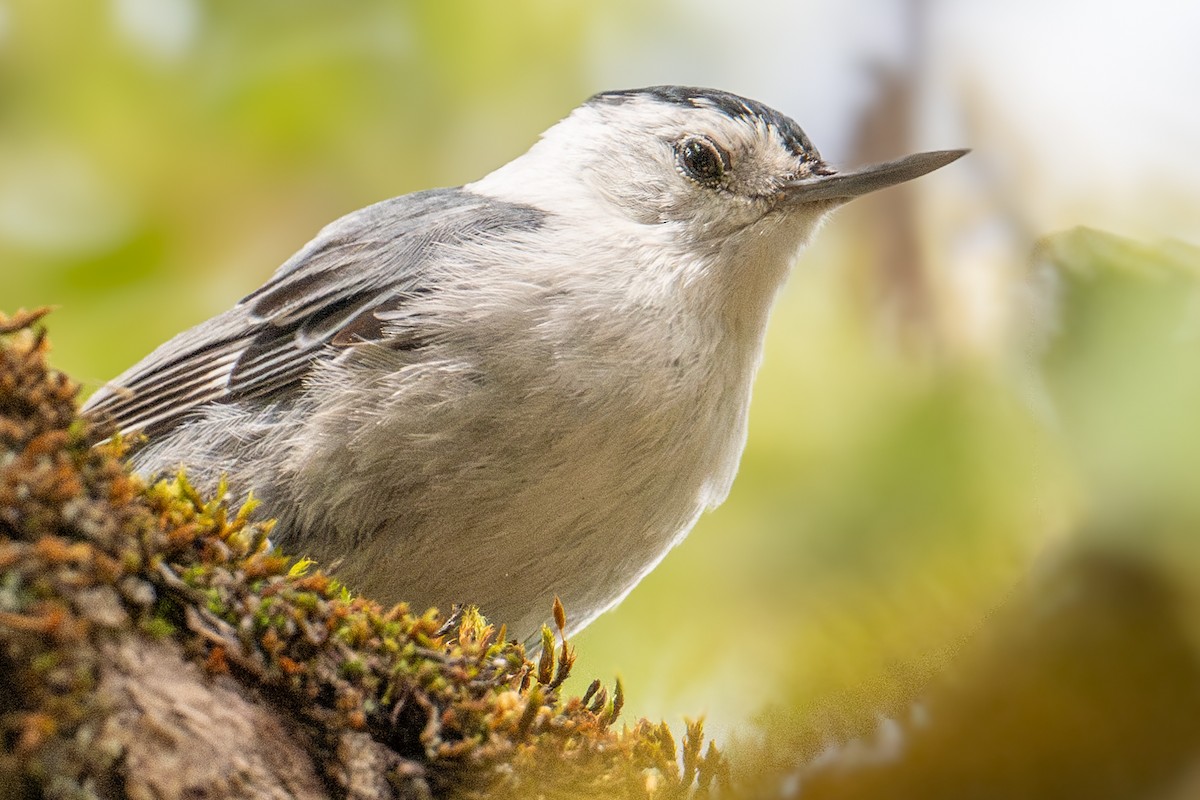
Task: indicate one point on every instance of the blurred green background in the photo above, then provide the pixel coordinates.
(906, 467)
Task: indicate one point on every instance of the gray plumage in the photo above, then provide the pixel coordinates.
(526, 387)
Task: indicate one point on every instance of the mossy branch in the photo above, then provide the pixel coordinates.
(154, 646)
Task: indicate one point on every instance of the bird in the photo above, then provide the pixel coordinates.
(522, 388)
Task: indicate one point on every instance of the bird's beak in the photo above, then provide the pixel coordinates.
(843, 186)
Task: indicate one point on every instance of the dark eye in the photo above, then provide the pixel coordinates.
(701, 160)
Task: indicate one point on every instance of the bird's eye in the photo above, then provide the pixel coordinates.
(701, 160)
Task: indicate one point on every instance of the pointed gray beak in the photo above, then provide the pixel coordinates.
(843, 186)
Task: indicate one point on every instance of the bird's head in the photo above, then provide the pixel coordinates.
(701, 158)
(693, 172)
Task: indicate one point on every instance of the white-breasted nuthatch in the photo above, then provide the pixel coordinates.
(528, 386)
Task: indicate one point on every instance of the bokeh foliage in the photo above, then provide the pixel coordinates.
(887, 501)
(183, 159)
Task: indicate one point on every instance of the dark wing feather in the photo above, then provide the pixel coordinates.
(331, 293)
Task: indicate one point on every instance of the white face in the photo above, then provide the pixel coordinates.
(699, 166)
(706, 162)
(691, 167)
(688, 187)
(689, 183)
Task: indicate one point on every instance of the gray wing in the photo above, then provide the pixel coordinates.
(331, 294)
